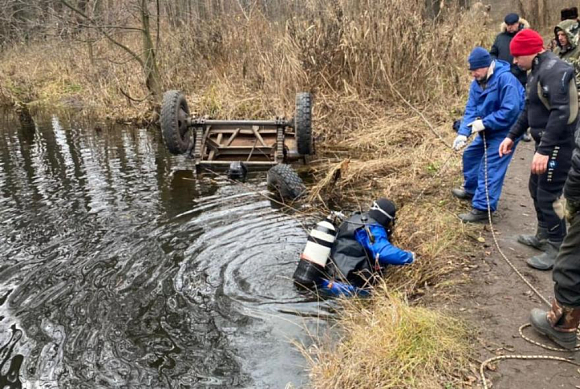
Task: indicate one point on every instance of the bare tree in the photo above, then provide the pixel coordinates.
(20, 21)
(146, 57)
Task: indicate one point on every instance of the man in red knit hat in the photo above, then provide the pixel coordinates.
(551, 112)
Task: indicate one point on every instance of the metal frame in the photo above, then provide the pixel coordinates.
(254, 142)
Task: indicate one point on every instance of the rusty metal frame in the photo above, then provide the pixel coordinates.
(242, 139)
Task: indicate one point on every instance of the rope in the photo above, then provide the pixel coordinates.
(522, 277)
(418, 112)
(520, 357)
(521, 331)
(510, 264)
(485, 168)
(281, 204)
(439, 172)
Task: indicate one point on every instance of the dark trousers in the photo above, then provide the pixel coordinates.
(566, 273)
(546, 190)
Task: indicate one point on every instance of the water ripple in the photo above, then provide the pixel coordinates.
(121, 268)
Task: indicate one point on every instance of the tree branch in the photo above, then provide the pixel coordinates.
(104, 32)
(137, 29)
(132, 98)
(158, 29)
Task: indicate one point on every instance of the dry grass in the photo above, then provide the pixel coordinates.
(360, 59)
(352, 55)
(386, 343)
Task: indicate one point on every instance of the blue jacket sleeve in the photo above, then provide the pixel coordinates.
(511, 96)
(388, 254)
(470, 112)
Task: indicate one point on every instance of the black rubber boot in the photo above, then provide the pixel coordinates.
(559, 324)
(461, 194)
(546, 260)
(474, 216)
(537, 241)
(526, 137)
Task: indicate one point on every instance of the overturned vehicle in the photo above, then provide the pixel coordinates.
(242, 144)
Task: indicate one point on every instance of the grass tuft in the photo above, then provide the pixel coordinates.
(386, 343)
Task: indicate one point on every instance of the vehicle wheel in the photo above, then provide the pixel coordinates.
(285, 181)
(303, 123)
(174, 114)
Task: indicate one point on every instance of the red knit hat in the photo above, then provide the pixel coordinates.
(526, 42)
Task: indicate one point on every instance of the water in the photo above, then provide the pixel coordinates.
(120, 268)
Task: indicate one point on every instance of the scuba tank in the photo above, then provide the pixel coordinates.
(315, 255)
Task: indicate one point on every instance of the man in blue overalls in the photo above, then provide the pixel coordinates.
(496, 99)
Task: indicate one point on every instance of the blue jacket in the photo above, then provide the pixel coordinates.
(387, 253)
(352, 256)
(498, 105)
(354, 259)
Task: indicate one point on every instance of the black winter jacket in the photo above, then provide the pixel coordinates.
(501, 50)
(549, 127)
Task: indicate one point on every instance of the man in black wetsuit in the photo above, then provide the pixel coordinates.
(551, 111)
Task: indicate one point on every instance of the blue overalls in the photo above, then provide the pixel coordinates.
(498, 104)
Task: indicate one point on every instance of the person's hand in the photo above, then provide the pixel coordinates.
(506, 147)
(572, 209)
(337, 217)
(539, 163)
(414, 257)
(459, 142)
(476, 125)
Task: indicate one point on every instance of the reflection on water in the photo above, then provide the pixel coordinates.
(121, 268)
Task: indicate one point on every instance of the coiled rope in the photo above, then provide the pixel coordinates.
(516, 356)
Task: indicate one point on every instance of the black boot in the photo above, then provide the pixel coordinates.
(474, 216)
(560, 324)
(546, 260)
(526, 137)
(537, 241)
(461, 194)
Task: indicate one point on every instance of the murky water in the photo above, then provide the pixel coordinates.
(119, 268)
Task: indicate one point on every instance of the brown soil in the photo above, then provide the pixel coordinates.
(498, 302)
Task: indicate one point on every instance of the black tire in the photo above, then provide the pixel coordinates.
(303, 123)
(285, 181)
(174, 112)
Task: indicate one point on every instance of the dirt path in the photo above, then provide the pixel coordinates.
(498, 302)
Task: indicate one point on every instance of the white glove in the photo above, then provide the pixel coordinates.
(459, 142)
(337, 217)
(476, 125)
(414, 257)
(338, 214)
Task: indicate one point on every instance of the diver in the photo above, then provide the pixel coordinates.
(348, 262)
